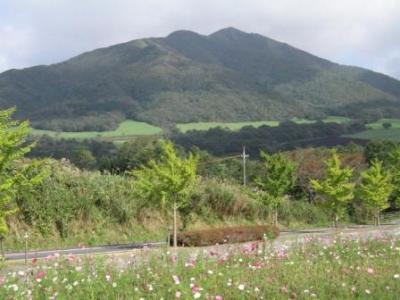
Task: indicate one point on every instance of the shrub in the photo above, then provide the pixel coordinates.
(386, 125)
(238, 234)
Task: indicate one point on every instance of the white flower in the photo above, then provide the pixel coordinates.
(367, 291)
(14, 287)
(178, 294)
(396, 276)
(241, 287)
(197, 295)
(114, 285)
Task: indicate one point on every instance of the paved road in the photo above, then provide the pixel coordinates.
(98, 249)
(286, 236)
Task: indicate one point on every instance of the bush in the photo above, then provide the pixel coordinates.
(386, 125)
(238, 234)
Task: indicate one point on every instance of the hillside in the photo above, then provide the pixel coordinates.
(229, 75)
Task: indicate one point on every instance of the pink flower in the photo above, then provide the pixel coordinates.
(282, 254)
(176, 279)
(195, 288)
(39, 276)
(219, 298)
(189, 263)
(370, 271)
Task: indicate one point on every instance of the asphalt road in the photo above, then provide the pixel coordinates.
(75, 251)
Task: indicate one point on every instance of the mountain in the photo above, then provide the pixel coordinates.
(229, 75)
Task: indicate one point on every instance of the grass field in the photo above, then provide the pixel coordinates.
(391, 134)
(126, 129)
(378, 124)
(319, 269)
(184, 127)
(377, 132)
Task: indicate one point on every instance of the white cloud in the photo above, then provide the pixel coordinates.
(347, 31)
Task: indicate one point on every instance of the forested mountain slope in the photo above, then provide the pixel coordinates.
(229, 75)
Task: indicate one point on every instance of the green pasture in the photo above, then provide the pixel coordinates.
(126, 129)
(184, 127)
(378, 124)
(376, 131)
(391, 134)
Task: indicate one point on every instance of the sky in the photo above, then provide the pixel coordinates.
(364, 33)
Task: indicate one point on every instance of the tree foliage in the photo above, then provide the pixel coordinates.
(168, 182)
(375, 188)
(13, 175)
(336, 188)
(276, 182)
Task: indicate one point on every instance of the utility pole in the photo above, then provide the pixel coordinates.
(244, 156)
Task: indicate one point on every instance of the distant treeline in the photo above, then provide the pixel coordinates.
(93, 122)
(288, 135)
(102, 155)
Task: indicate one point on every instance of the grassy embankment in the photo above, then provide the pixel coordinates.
(319, 269)
(73, 207)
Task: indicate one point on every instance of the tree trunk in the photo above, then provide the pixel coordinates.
(378, 220)
(335, 221)
(2, 249)
(175, 227)
(276, 217)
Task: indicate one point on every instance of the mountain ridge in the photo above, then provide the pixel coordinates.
(229, 75)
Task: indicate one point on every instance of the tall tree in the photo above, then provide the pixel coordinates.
(169, 182)
(393, 166)
(375, 189)
(13, 173)
(277, 180)
(336, 188)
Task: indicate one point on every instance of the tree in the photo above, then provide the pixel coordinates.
(13, 173)
(278, 179)
(386, 125)
(375, 189)
(336, 188)
(393, 166)
(83, 158)
(168, 182)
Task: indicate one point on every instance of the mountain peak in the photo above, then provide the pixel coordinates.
(228, 32)
(183, 34)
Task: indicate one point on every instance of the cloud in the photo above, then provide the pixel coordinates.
(353, 32)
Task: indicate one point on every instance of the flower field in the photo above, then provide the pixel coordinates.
(317, 269)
